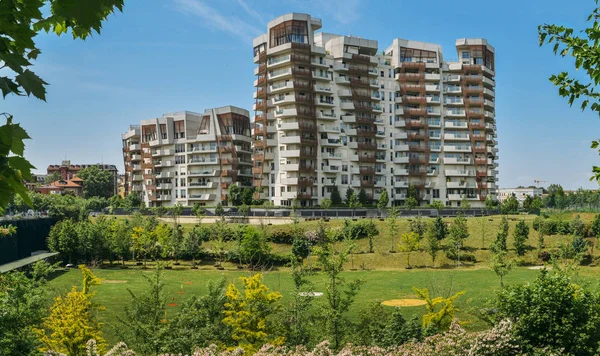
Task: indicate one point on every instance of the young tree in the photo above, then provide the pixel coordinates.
(383, 201)
(438, 320)
(255, 249)
(500, 264)
(371, 233)
(418, 226)
(244, 210)
(349, 194)
(527, 203)
(437, 205)
(200, 321)
(247, 194)
(501, 236)
(457, 234)
(411, 203)
(483, 230)
(490, 203)
(132, 201)
(432, 240)
(325, 205)
(234, 194)
(219, 211)
(340, 295)
(248, 314)
(63, 238)
(336, 198)
(72, 321)
(363, 198)
(354, 203)
(409, 242)
(392, 227)
(143, 327)
(464, 203)
(510, 206)
(199, 212)
(97, 182)
(520, 235)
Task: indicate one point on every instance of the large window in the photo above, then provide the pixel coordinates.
(289, 31)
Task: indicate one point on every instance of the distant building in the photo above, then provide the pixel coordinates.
(187, 158)
(519, 193)
(68, 171)
(74, 186)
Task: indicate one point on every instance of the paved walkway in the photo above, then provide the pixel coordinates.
(25, 261)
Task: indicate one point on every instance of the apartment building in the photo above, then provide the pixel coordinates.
(519, 193)
(334, 110)
(188, 157)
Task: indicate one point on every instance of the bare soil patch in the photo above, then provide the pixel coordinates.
(403, 302)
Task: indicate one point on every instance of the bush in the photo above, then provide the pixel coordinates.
(537, 222)
(281, 235)
(359, 230)
(544, 256)
(464, 256)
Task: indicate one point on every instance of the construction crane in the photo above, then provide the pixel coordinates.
(538, 181)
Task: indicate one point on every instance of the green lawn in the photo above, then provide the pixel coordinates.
(479, 284)
(385, 275)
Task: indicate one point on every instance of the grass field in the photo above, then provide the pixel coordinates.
(385, 275)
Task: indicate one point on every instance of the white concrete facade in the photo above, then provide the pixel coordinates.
(519, 193)
(187, 158)
(333, 111)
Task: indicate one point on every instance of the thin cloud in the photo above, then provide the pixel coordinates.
(211, 18)
(250, 11)
(343, 11)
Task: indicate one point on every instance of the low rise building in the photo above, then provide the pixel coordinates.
(520, 193)
(68, 171)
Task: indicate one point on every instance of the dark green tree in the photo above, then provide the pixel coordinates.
(349, 194)
(234, 194)
(363, 198)
(336, 199)
(143, 326)
(247, 196)
(552, 312)
(520, 235)
(501, 236)
(510, 206)
(97, 182)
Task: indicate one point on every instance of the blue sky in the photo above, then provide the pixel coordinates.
(168, 55)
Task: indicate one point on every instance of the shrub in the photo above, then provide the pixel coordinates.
(451, 254)
(544, 256)
(552, 312)
(577, 227)
(537, 222)
(281, 235)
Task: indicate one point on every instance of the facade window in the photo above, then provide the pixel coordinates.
(179, 159)
(344, 179)
(382, 73)
(182, 182)
(465, 55)
(183, 193)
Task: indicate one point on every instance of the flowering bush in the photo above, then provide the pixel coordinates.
(498, 341)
